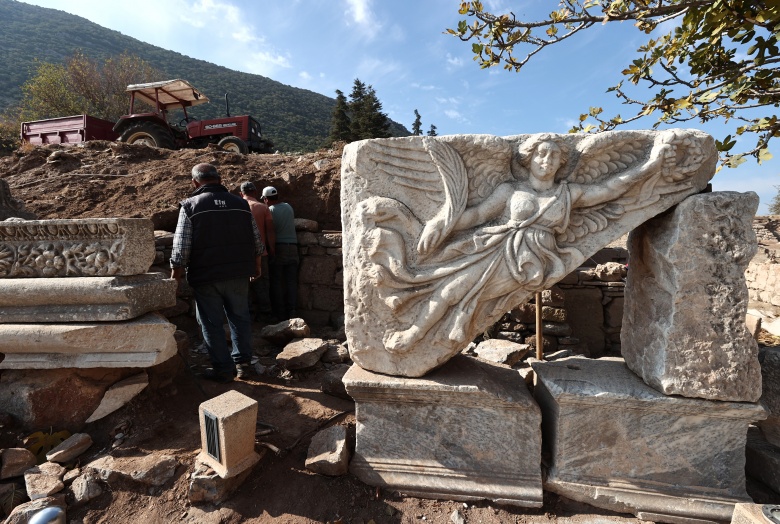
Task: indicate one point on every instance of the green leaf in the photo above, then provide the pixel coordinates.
(764, 155)
(476, 48)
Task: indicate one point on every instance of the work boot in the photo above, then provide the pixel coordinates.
(217, 376)
(243, 370)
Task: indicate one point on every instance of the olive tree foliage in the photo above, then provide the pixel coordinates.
(718, 60)
(84, 85)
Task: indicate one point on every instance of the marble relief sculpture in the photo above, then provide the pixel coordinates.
(443, 235)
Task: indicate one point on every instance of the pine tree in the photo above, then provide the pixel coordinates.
(417, 125)
(432, 130)
(340, 126)
(367, 118)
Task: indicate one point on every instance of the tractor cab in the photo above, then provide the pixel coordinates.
(239, 134)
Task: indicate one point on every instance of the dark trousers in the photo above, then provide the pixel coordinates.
(283, 269)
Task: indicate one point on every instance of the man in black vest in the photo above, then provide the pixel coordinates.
(218, 243)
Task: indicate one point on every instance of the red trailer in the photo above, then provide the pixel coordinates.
(67, 130)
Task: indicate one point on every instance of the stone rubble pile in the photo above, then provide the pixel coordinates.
(60, 482)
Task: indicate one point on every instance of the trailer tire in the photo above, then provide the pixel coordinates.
(234, 145)
(148, 133)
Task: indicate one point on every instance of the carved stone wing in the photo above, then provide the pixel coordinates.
(604, 154)
(611, 154)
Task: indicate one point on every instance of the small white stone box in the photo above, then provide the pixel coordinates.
(227, 433)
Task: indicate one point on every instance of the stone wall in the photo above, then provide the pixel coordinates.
(763, 273)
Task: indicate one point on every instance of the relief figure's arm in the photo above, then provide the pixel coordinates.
(473, 216)
(616, 186)
(487, 210)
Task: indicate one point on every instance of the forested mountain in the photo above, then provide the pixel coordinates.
(293, 119)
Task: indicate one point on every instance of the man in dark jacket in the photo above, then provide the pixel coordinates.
(218, 243)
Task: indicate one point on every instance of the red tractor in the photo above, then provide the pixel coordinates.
(240, 134)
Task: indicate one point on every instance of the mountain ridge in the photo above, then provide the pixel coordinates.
(294, 119)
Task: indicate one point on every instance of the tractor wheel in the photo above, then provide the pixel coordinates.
(234, 145)
(149, 134)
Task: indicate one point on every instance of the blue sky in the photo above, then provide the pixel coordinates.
(399, 47)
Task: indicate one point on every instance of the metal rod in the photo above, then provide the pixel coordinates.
(539, 338)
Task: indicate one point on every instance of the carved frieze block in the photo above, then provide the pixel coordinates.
(89, 247)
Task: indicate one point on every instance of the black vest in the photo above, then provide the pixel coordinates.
(223, 245)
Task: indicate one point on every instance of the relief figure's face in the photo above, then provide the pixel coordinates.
(545, 161)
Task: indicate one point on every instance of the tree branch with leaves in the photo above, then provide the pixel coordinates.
(719, 59)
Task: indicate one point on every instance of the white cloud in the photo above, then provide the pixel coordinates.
(266, 62)
(304, 75)
(361, 16)
(454, 60)
(451, 100)
(423, 87)
(455, 115)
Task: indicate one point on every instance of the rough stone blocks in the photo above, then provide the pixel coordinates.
(468, 431)
(686, 298)
(619, 444)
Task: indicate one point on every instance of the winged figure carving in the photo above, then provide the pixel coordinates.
(448, 233)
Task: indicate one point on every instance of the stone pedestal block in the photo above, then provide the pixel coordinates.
(227, 434)
(684, 327)
(467, 431)
(84, 299)
(73, 248)
(619, 444)
(141, 342)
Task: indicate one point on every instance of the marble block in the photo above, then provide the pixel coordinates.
(770, 395)
(84, 299)
(444, 235)
(468, 431)
(141, 342)
(74, 248)
(227, 434)
(616, 443)
(686, 299)
(748, 513)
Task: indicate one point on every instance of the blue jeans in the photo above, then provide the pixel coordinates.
(284, 281)
(214, 301)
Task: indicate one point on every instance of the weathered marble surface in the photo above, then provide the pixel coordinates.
(467, 431)
(686, 298)
(443, 235)
(617, 443)
(84, 299)
(770, 396)
(141, 342)
(75, 248)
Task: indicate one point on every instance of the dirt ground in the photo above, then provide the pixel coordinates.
(106, 179)
(111, 179)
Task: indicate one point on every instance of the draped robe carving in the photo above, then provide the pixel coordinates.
(443, 235)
